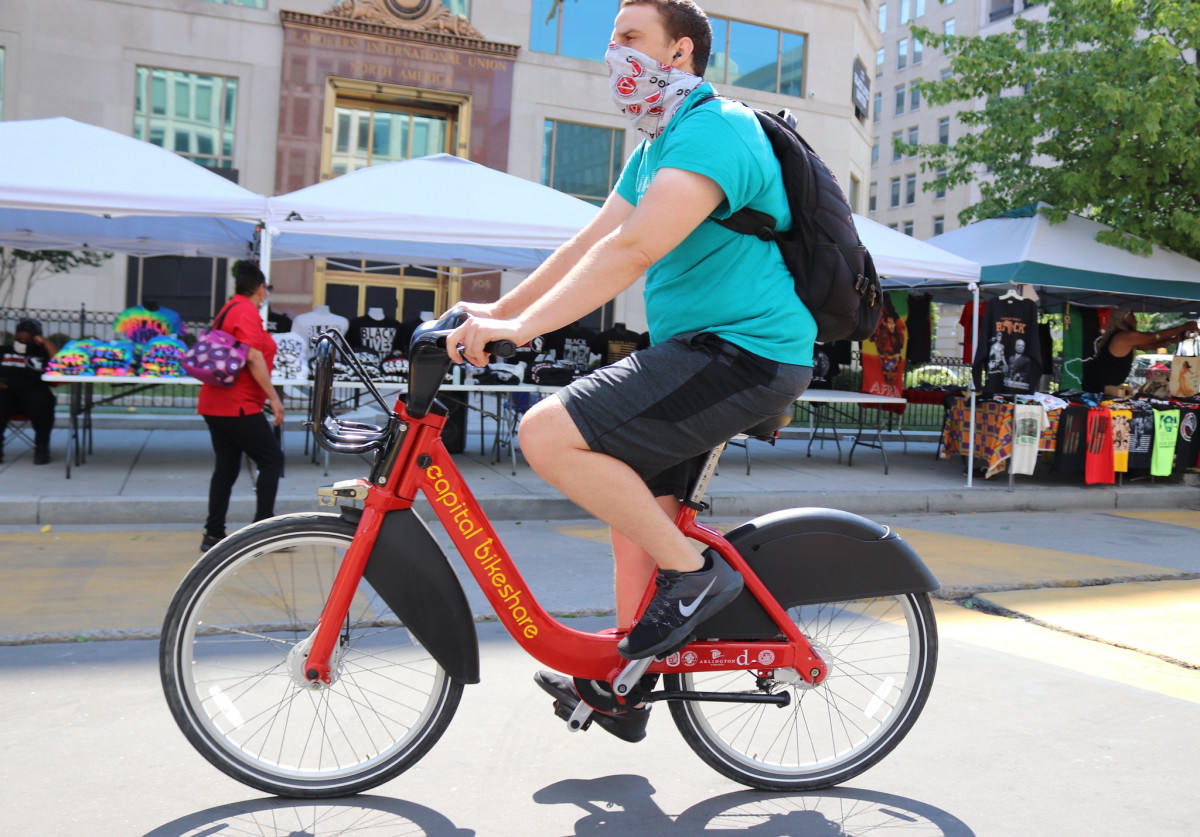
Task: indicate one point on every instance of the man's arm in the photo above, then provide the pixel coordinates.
(674, 205)
(548, 274)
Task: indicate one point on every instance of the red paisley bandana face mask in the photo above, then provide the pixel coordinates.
(647, 92)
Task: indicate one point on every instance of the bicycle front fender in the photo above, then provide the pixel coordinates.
(812, 556)
(413, 576)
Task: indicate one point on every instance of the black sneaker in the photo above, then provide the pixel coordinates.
(209, 541)
(683, 601)
(628, 725)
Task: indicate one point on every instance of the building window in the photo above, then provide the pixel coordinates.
(190, 114)
(902, 53)
(899, 100)
(944, 130)
(908, 228)
(877, 106)
(875, 154)
(918, 8)
(918, 50)
(853, 196)
(913, 136)
(914, 98)
(940, 192)
(748, 55)
(895, 203)
(581, 160)
(880, 57)
(253, 4)
(894, 226)
(948, 27)
(575, 30)
(939, 224)
(910, 189)
(897, 154)
(1, 82)
(999, 10)
(872, 196)
(905, 10)
(883, 17)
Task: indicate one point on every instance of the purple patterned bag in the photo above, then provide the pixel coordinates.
(217, 357)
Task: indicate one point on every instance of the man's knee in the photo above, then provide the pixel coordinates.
(546, 430)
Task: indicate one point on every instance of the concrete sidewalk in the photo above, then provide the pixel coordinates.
(144, 471)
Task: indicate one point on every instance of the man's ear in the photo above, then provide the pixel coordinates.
(683, 50)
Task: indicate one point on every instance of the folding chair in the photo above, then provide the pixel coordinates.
(18, 429)
(512, 408)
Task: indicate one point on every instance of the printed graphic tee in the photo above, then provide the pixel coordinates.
(1166, 435)
(1010, 348)
(1029, 420)
(1098, 469)
(1141, 438)
(1120, 422)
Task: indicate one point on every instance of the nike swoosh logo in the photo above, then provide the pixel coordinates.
(688, 610)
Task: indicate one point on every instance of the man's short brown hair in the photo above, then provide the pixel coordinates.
(684, 19)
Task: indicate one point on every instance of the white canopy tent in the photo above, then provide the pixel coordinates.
(907, 261)
(438, 210)
(72, 186)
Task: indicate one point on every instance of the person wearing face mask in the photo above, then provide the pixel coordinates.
(234, 414)
(22, 389)
(731, 343)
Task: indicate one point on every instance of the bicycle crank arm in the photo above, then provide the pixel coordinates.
(780, 699)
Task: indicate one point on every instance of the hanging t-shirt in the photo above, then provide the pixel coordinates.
(1120, 423)
(1070, 448)
(883, 354)
(278, 323)
(1187, 448)
(1029, 420)
(291, 355)
(311, 324)
(1141, 438)
(1009, 348)
(1166, 435)
(617, 343)
(379, 336)
(573, 346)
(920, 329)
(1098, 468)
(967, 321)
(141, 324)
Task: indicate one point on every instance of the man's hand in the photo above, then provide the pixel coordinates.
(476, 333)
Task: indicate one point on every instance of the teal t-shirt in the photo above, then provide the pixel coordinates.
(733, 285)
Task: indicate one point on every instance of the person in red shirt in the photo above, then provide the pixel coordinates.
(234, 415)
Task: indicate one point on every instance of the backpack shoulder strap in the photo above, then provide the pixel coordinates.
(745, 221)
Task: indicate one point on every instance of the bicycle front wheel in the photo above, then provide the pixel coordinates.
(881, 655)
(231, 661)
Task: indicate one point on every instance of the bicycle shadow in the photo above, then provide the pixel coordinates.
(625, 804)
(276, 817)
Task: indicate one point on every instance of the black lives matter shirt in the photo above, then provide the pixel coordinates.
(378, 336)
(1010, 348)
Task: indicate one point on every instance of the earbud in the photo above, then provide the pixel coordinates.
(679, 55)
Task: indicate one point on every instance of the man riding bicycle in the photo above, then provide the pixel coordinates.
(732, 344)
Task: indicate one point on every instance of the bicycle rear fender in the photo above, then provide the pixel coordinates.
(810, 556)
(412, 574)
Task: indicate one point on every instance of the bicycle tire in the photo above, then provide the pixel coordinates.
(882, 655)
(234, 692)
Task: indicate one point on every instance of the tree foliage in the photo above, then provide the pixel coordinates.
(1095, 110)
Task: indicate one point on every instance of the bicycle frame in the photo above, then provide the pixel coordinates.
(416, 461)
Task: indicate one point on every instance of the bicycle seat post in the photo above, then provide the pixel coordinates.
(695, 499)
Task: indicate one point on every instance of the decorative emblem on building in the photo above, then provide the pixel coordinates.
(424, 15)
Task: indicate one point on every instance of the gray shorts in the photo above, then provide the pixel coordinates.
(662, 407)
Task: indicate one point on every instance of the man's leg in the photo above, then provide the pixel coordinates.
(225, 472)
(606, 487)
(634, 567)
(38, 404)
(259, 443)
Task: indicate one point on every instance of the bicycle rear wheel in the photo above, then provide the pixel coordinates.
(231, 661)
(881, 653)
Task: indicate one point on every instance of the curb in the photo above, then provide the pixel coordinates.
(127, 510)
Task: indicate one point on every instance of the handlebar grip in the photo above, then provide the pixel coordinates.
(501, 348)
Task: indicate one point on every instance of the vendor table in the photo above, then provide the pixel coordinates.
(83, 400)
(993, 433)
(828, 405)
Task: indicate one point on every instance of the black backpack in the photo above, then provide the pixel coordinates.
(834, 275)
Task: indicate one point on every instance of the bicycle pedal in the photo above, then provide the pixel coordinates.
(565, 713)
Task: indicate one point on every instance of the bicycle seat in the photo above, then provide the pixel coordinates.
(765, 429)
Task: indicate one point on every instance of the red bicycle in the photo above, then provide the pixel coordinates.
(322, 654)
